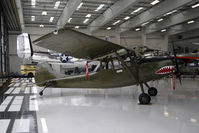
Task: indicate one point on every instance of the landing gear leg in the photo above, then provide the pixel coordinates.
(152, 91)
(46, 85)
(144, 98)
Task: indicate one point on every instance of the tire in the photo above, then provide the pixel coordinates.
(30, 74)
(144, 99)
(152, 91)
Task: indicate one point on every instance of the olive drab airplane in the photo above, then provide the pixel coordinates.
(116, 65)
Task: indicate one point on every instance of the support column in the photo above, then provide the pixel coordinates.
(165, 43)
(143, 37)
(117, 36)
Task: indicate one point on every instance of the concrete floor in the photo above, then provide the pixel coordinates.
(101, 111)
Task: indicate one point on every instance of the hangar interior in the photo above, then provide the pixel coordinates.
(156, 24)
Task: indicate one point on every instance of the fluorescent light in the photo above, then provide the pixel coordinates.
(190, 22)
(116, 22)
(196, 5)
(41, 25)
(51, 19)
(163, 30)
(44, 13)
(99, 7)
(161, 19)
(108, 28)
(137, 10)
(32, 18)
(86, 20)
(33, 3)
(69, 20)
(144, 24)
(76, 27)
(169, 13)
(80, 5)
(154, 2)
(57, 4)
(88, 15)
(137, 29)
(126, 18)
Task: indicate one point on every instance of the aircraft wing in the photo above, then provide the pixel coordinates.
(77, 44)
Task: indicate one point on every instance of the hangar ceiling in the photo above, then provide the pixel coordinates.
(151, 15)
(164, 16)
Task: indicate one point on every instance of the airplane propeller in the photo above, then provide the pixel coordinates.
(177, 72)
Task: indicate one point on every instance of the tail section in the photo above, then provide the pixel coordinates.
(24, 46)
(44, 73)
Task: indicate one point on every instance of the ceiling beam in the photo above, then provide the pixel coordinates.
(175, 19)
(183, 28)
(20, 13)
(153, 13)
(70, 7)
(111, 13)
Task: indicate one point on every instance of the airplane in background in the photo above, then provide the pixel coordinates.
(116, 65)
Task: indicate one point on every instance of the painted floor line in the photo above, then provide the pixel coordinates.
(21, 125)
(4, 123)
(9, 90)
(5, 103)
(16, 104)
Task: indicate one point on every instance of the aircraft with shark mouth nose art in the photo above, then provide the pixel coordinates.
(117, 65)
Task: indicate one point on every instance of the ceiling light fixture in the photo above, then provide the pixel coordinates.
(69, 20)
(163, 30)
(76, 27)
(57, 4)
(161, 19)
(99, 7)
(80, 5)
(41, 25)
(144, 24)
(137, 29)
(154, 2)
(32, 18)
(51, 19)
(88, 15)
(44, 13)
(86, 20)
(33, 3)
(126, 18)
(108, 28)
(116, 22)
(169, 13)
(190, 22)
(196, 5)
(137, 10)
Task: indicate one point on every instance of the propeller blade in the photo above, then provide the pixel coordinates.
(176, 64)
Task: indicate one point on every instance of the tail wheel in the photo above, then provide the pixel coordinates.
(152, 91)
(144, 98)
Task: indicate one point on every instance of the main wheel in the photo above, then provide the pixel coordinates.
(144, 98)
(152, 91)
(41, 93)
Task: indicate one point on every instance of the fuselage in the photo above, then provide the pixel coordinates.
(103, 78)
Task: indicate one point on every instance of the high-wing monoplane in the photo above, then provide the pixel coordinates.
(117, 65)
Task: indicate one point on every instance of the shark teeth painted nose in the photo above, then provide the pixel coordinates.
(165, 70)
